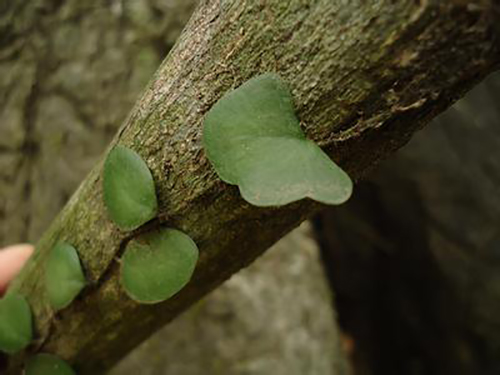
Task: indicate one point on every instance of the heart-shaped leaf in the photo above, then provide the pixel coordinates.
(47, 364)
(16, 329)
(64, 277)
(129, 190)
(156, 265)
(253, 139)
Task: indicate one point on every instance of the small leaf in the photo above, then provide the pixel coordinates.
(129, 190)
(253, 139)
(47, 364)
(155, 266)
(16, 329)
(64, 277)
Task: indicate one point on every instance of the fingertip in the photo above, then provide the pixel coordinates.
(12, 260)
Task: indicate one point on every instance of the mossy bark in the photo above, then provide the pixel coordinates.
(364, 77)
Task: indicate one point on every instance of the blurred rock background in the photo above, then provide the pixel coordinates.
(70, 71)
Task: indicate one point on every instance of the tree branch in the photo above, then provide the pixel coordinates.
(364, 77)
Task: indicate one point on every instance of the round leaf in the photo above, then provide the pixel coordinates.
(15, 323)
(47, 364)
(129, 190)
(253, 139)
(155, 266)
(64, 277)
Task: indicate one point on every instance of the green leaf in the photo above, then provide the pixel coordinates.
(64, 277)
(129, 190)
(16, 329)
(47, 364)
(156, 265)
(253, 139)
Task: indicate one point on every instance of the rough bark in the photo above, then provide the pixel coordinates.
(414, 257)
(362, 79)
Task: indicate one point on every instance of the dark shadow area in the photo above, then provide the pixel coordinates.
(414, 257)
